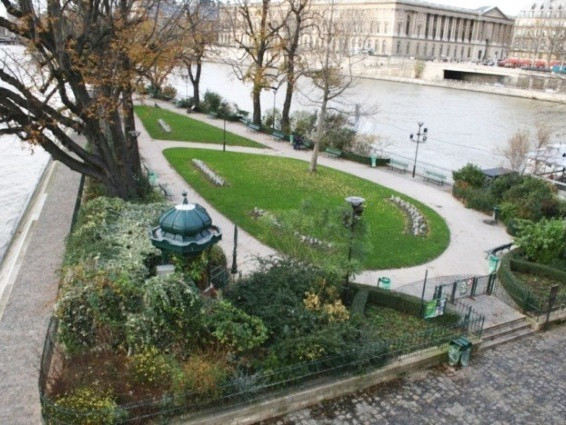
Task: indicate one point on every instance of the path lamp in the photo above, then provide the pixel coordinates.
(223, 107)
(350, 220)
(274, 88)
(421, 138)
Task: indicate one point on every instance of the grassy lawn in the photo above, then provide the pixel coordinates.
(280, 184)
(186, 129)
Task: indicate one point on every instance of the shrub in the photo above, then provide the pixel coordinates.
(469, 175)
(85, 406)
(168, 92)
(211, 101)
(186, 102)
(171, 317)
(233, 328)
(303, 123)
(270, 116)
(542, 242)
(203, 374)
(479, 199)
(150, 368)
(534, 198)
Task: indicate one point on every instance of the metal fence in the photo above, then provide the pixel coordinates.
(468, 287)
(246, 388)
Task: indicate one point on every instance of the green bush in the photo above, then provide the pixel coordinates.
(535, 199)
(470, 175)
(270, 116)
(171, 315)
(84, 406)
(211, 101)
(152, 369)
(203, 374)
(303, 123)
(186, 102)
(480, 200)
(232, 328)
(542, 242)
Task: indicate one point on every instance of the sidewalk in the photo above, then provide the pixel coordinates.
(29, 296)
(470, 235)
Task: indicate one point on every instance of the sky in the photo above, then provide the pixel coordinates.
(509, 7)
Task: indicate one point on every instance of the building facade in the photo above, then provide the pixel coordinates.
(540, 33)
(408, 28)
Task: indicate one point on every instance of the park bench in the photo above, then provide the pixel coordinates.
(164, 126)
(497, 249)
(435, 177)
(333, 152)
(213, 114)
(302, 144)
(279, 135)
(252, 126)
(398, 165)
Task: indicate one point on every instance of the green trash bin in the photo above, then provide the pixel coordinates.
(384, 282)
(373, 158)
(459, 351)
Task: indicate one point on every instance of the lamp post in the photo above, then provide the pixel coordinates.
(223, 105)
(357, 204)
(421, 138)
(274, 88)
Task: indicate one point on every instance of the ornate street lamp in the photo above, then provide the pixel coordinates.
(223, 105)
(421, 138)
(357, 204)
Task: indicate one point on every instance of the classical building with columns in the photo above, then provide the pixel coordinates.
(406, 28)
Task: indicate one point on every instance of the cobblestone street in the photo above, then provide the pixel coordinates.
(522, 382)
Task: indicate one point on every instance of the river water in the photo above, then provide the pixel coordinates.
(462, 127)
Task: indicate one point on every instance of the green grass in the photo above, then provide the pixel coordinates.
(279, 184)
(186, 129)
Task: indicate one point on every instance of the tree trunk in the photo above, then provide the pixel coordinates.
(319, 133)
(256, 94)
(195, 81)
(285, 119)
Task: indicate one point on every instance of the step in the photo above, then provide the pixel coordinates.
(502, 339)
(504, 329)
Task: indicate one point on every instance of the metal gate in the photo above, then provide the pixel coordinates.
(466, 288)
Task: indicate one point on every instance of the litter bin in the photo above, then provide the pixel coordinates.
(459, 351)
(373, 160)
(384, 282)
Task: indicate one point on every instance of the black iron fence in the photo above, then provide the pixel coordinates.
(467, 287)
(247, 388)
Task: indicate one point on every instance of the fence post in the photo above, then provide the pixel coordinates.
(453, 295)
(474, 286)
(490, 283)
(551, 299)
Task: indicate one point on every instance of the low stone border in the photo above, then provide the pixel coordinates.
(208, 172)
(164, 126)
(417, 224)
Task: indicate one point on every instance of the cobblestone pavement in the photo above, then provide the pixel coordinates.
(522, 382)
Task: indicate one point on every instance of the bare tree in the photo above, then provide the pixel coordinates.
(255, 30)
(298, 20)
(197, 34)
(329, 69)
(516, 150)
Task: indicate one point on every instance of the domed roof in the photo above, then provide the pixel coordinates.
(186, 228)
(185, 219)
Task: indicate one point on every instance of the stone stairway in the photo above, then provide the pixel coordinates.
(505, 332)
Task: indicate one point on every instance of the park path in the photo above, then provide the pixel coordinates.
(470, 235)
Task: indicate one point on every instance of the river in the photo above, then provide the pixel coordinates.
(462, 127)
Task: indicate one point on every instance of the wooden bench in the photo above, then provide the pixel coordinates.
(435, 177)
(279, 135)
(333, 152)
(398, 165)
(252, 126)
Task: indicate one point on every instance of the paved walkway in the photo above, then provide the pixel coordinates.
(30, 287)
(470, 235)
(520, 383)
